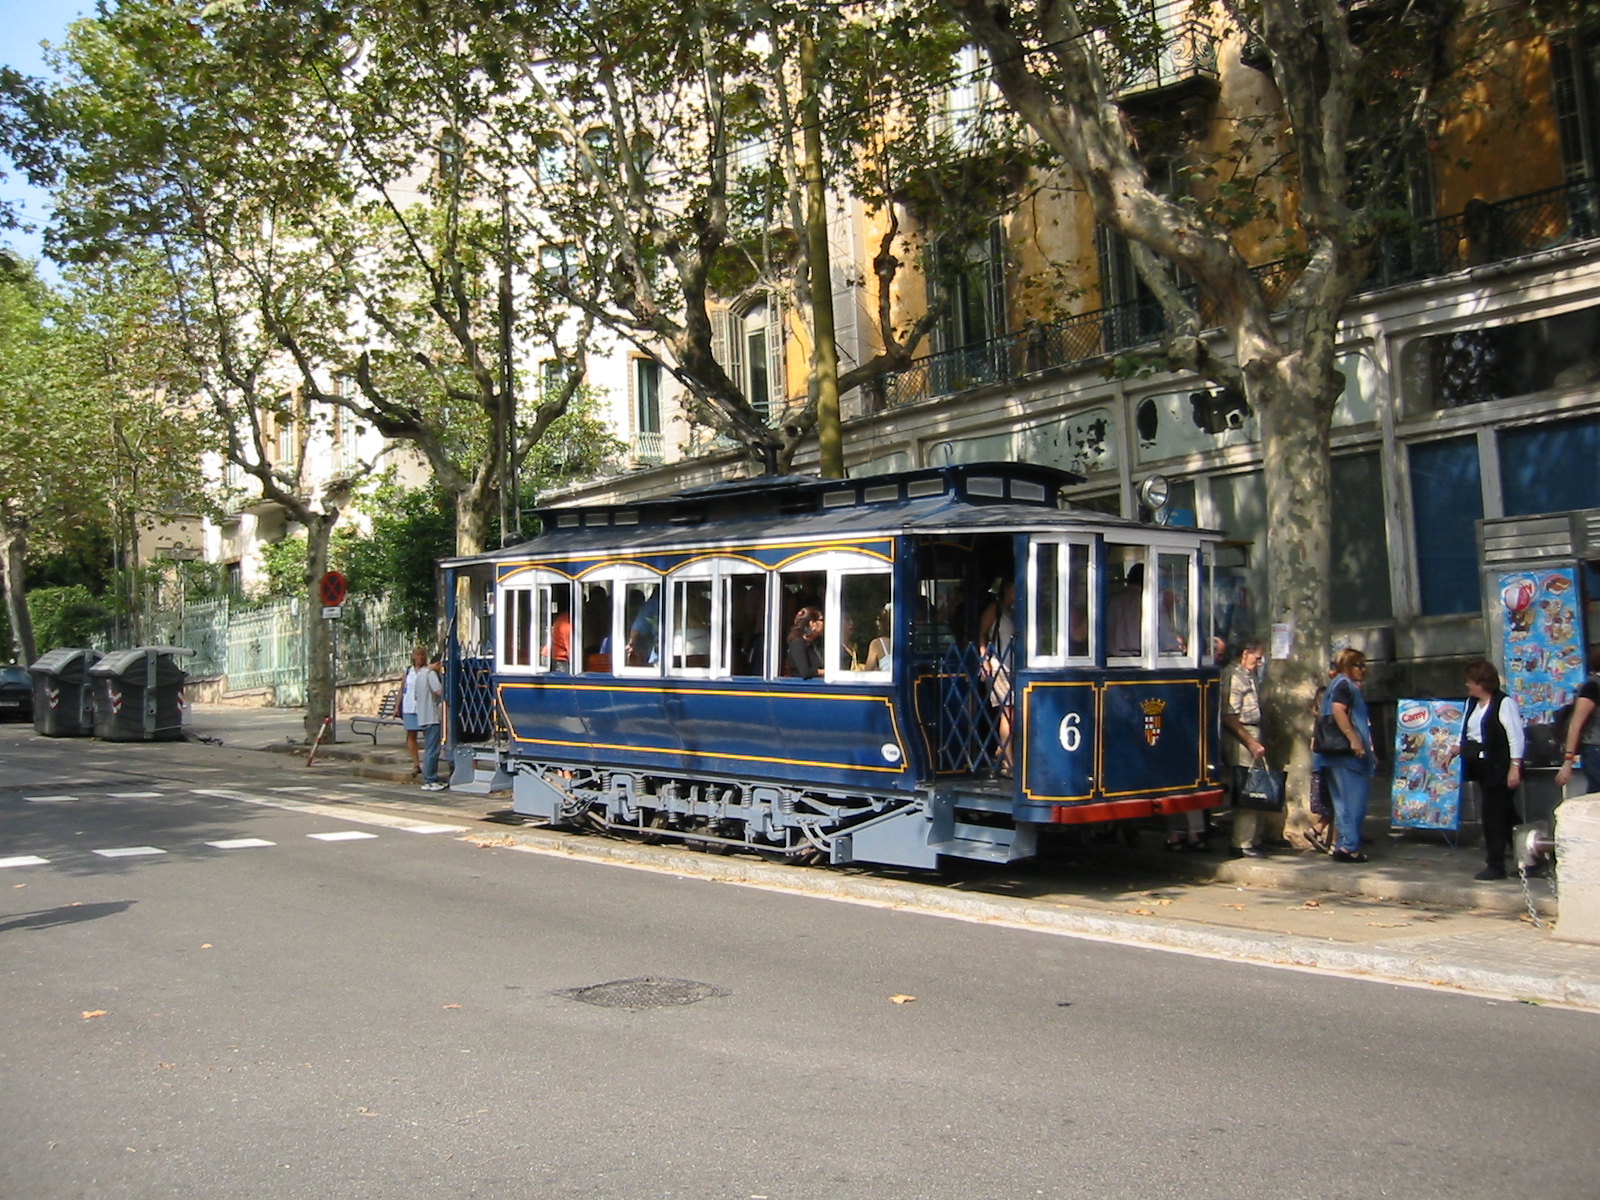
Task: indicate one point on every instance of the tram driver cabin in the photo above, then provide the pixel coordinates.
(991, 663)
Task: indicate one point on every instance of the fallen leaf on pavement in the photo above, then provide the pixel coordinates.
(901, 999)
(1141, 912)
(1312, 904)
(452, 1006)
(17, 885)
(1240, 907)
(205, 945)
(1387, 924)
(93, 1013)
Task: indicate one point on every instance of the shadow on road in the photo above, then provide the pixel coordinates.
(67, 914)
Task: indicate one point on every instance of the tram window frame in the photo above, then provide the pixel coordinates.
(618, 580)
(523, 648)
(1146, 608)
(1187, 637)
(833, 565)
(1150, 656)
(718, 573)
(1061, 655)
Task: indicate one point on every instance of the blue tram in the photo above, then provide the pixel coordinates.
(884, 670)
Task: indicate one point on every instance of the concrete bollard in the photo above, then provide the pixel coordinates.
(1578, 863)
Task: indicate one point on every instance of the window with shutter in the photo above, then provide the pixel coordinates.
(1572, 96)
(776, 387)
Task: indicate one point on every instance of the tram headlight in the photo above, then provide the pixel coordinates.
(1154, 493)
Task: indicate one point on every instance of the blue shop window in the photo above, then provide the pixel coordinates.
(1550, 467)
(1446, 501)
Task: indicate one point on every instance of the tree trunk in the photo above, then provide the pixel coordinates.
(12, 563)
(1295, 423)
(472, 519)
(319, 633)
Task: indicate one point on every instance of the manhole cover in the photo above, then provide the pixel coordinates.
(648, 991)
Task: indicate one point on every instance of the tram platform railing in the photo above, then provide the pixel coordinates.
(975, 702)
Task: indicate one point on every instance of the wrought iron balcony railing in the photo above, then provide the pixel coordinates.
(1483, 233)
(649, 448)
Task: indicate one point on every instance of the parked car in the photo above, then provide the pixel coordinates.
(16, 693)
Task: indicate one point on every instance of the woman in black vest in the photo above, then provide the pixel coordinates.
(1492, 742)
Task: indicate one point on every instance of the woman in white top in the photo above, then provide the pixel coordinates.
(1492, 745)
(408, 707)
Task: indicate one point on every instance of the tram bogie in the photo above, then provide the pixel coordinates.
(885, 670)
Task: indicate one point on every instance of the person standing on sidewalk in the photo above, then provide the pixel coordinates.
(1492, 745)
(1583, 730)
(427, 693)
(408, 708)
(1241, 723)
(1349, 773)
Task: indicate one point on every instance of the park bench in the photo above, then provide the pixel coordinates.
(388, 714)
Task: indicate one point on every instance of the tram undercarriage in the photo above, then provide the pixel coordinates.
(777, 822)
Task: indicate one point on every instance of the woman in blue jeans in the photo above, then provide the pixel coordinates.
(1348, 775)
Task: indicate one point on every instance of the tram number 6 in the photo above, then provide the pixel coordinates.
(1071, 732)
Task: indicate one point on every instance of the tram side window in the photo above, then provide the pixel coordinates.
(691, 624)
(865, 602)
(517, 617)
(1077, 600)
(744, 604)
(1172, 597)
(595, 629)
(797, 590)
(641, 613)
(1124, 600)
(1047, 599)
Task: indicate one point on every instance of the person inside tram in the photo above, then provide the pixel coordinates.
(1125, 616)
(997, 631)
(849, 659)
(880, 652)
(560, 647)
(805, 643)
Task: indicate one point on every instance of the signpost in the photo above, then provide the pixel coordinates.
(332, 590)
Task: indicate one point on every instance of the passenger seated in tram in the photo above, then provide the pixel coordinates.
(880, 651)
(805, 644)
(849, 659)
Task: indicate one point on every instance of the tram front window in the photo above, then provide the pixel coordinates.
(1172, 593)
(1124, 601)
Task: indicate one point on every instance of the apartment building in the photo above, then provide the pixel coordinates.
(1471, 358)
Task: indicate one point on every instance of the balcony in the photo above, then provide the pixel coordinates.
(649, 448)
(1484, 233)
(1172, 56)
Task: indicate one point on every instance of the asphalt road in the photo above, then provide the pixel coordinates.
(381, 1017)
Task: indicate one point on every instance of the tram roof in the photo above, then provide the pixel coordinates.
(970, 498)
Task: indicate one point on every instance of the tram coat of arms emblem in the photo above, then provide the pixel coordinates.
(1152, 710)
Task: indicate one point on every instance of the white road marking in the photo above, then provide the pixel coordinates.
(48, 799)
(129, 851)
(344, 835)
(24, 860)
(241, 843)
(292, 789)
(434, 828)
(133, 795)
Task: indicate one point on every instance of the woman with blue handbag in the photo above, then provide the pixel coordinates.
(1343, 748)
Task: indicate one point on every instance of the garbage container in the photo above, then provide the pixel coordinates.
(138, 694)
(61, 691)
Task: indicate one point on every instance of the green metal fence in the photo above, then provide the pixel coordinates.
(264, 646)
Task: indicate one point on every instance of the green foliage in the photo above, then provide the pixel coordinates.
(66, 616)
(284, 565)
(411, 530)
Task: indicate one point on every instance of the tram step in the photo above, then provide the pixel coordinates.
(477, 772)
(988, 845)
